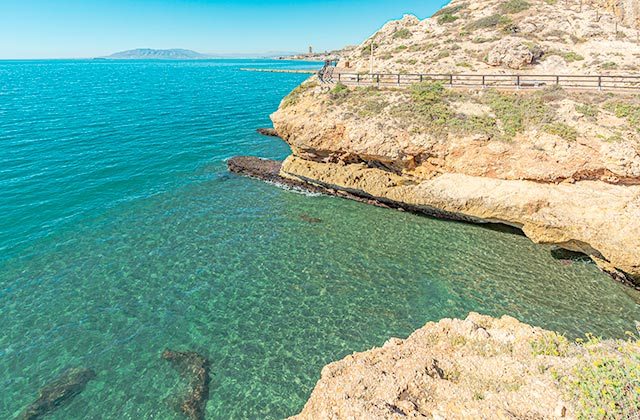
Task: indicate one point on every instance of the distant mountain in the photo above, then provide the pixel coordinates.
(151, 54)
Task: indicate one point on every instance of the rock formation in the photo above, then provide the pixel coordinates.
(59, 392)
(195, 368)
(562, 165)
(480, 368)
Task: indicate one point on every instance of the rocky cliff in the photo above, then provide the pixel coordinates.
(564, 166)
(482, 368)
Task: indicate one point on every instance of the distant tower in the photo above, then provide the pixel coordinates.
(310, 49)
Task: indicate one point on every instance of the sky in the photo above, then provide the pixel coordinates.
(92, 28)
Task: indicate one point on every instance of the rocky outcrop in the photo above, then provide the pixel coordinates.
(512, 53)
(583, 216)
(628, 11)
(59, 392)
(195, 368)
(269, 132)
(478, 368)
(575, 37)
(562, 165)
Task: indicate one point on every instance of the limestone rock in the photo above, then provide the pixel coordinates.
(445, 370)
(512, 53)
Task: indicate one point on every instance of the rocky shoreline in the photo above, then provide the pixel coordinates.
(272, 171)
(480, 368)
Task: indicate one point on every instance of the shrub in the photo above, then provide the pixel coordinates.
(447, 18)
(550, 344)
(563, 130)
(403, 33)
(517, 112)
(515, 6)
(489, 22)
(626, 110)
(340, 91)
(451, 10)
(607, 386)
(294, 96)
(588, 110)
(571, 56)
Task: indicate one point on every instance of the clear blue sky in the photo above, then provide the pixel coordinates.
(89, 28)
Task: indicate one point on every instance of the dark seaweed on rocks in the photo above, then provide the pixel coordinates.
(59, 392)
(195, 368)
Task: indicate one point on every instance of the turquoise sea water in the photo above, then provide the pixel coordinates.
(122, 234)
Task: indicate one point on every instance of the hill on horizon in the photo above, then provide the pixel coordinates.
(153, 54)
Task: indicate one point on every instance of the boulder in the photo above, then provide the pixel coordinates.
(513, 53)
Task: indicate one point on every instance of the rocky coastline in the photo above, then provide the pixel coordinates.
(561, 165)
(481, 368)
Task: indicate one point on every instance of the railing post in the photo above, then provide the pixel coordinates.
(599, 82)
(358, 78)
(518, 82)
(483, 81)
(451, 79)
(378, 79)
(339, 77)
(421, 79)
(557, 80)
(398, 79)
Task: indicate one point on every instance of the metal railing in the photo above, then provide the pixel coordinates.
(513, 81)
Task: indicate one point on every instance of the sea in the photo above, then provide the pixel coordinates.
(122, 234)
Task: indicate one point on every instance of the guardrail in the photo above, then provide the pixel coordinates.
(514, 81)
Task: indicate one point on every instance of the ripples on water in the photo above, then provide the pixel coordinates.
(123, 234)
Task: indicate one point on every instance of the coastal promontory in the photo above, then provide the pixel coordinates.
(559, 162)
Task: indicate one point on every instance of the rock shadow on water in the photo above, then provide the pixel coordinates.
(59, 392)
(195, 369)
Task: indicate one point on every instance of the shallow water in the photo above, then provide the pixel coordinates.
(122, 234)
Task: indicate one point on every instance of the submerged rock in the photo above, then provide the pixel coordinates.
(270, 132)
(195, 368)
(309, 219)
(59, 392)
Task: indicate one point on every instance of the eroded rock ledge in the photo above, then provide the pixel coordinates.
(479, 368)
(592, 217)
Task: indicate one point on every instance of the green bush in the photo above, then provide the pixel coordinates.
(588, 110)
(403, 33)
(607, 385)
(519, 111)
(492, 21)
(563, 130)
(515, 6)
(571, 56)
(339, 91)
(626, 110)
(550, 344)
(451, 10)
(447, 18)
(294, 96)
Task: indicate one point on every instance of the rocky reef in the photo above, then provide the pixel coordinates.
(561, 165)
(482, 368)
(59, 392)
(195, 368)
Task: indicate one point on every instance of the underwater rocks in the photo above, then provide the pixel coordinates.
(195, 368)
(59, 392)
(269, 132)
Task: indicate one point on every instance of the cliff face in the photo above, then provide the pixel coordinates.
(480, 368)
(628, 11)
(562, 165)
